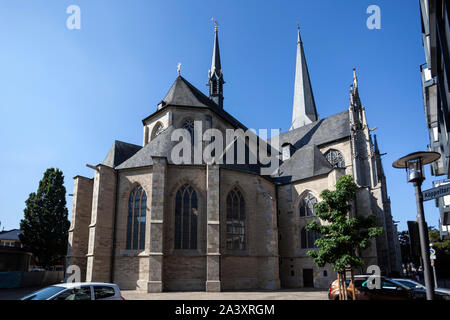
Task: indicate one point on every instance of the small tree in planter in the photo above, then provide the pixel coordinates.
(341, 237)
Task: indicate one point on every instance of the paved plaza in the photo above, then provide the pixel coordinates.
(285, 294)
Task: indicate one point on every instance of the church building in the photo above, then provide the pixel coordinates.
(147, 223)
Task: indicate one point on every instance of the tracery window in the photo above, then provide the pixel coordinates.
(307, 239)
(137, 206)
(186, 217)
(335, 158)
(307, 206)
(159, 128)
(189, 126)
(235, 220)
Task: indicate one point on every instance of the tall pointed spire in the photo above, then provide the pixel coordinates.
(304, 108)
(215, 80)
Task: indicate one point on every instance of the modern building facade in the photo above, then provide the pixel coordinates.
(147, 223)
(436, 85)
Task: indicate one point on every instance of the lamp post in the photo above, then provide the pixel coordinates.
(413, 163)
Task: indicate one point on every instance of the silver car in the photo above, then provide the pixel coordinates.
(78, 291)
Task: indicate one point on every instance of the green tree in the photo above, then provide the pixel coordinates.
(45, 224)
(442, 248)
(341, 237)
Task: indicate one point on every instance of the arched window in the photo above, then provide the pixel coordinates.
(307, 206)
(235, 220)
(186, 217)
(189, 126)
(157, 130)
(335, 158)
(137, 206)
(307, 239)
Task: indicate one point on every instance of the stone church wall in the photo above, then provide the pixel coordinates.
(243, 269)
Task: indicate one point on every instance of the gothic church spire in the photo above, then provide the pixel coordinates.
(304, 108)
(215, 80)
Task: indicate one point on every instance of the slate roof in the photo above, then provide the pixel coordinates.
(326, 130)
(306, 163)
(10, 235)
(160, 146)
(120, 152)
(184, 94)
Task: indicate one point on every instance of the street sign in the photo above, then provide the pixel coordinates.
(437, 192)
(432, 254)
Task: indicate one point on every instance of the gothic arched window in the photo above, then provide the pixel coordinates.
(157, 130)
(335, 158)
(189, 126)
(307, 239)
(307, 206)
(235, 220)
(186, 217)
(137, 206)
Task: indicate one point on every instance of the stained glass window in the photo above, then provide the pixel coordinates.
(235, 220)
(307, 239)
(307, 206)
(137, 206)
(186, 217)
(335, 158)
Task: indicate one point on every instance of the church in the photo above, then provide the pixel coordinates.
(147, 223)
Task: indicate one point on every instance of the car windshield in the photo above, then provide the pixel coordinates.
(409, 284)
(44, 294)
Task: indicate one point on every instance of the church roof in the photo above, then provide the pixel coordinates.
(326, 130)
(160, 146)
(306, 163)
(184, 94)
(120, 152)
(307, 160)
(304, 107)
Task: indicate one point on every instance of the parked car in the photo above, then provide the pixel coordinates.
(389, 290)
(417, 285)
(78, 291)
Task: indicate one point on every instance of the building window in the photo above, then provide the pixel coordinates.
(307, 239)
(186, 217)
(189, 126)
(157, 130)
(335, 158)
(307, 206)
(235, 220)
(137, 206)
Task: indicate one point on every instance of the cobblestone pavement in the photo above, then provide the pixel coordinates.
(286, 294)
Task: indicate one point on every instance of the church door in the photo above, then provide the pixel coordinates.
(308, 278)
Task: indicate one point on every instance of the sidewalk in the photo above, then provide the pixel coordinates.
(285, 294)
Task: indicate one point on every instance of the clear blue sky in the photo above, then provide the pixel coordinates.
(66, 95)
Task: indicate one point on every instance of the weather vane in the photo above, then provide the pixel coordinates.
(215, 22)
(298, 24)
(179, 68)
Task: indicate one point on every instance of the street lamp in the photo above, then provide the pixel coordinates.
(413, 163)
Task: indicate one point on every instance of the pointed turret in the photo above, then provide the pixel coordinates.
(304, 109)
(215, 80)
